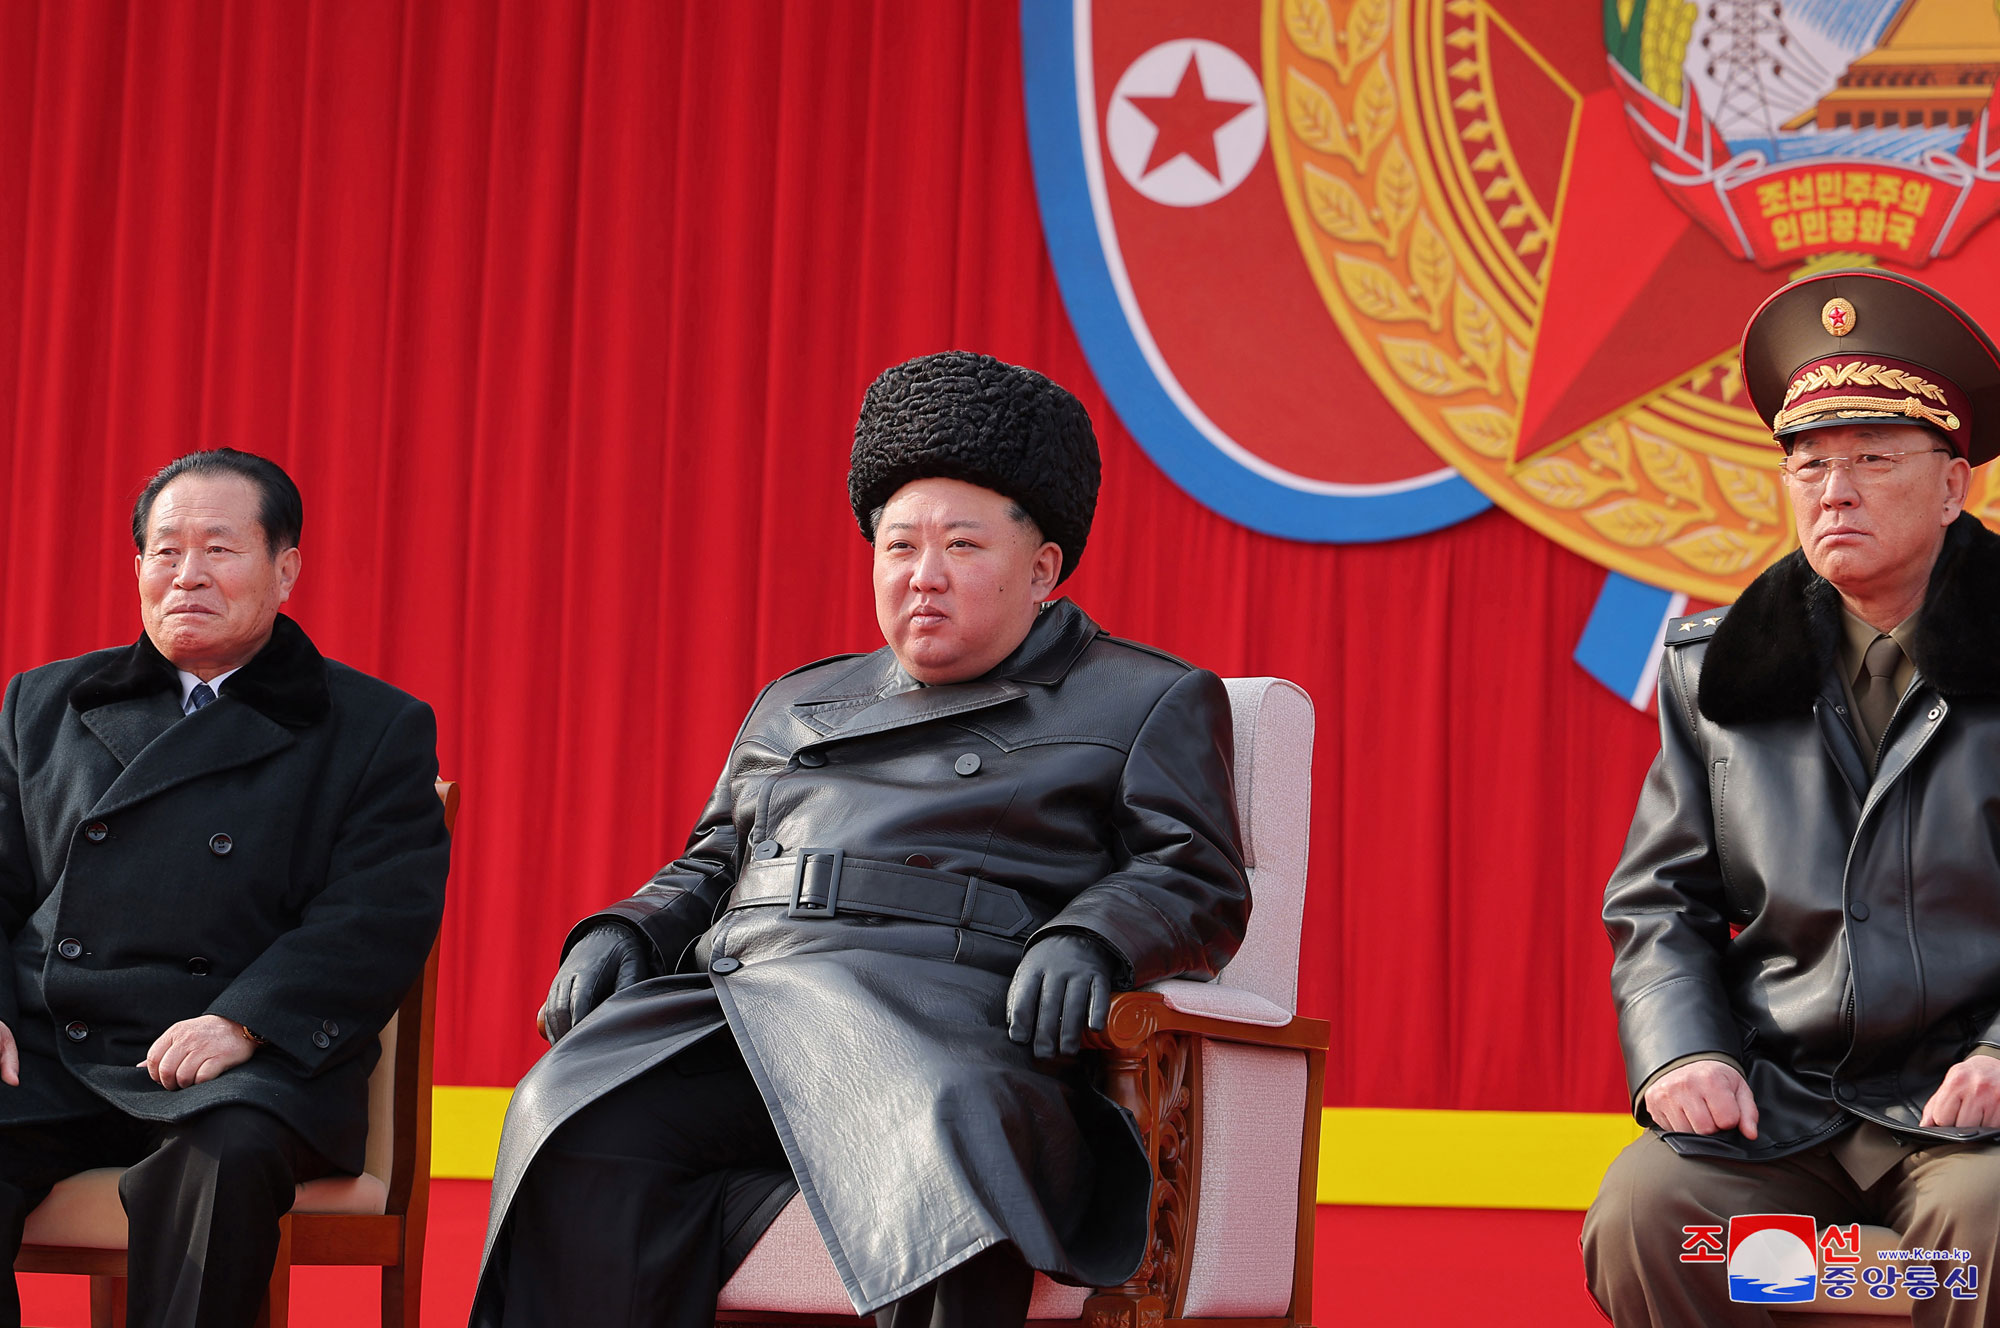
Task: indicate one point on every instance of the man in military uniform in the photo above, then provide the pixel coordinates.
(922, 874)
(1807, 912)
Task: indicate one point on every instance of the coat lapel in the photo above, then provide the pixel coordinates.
(130, 726)
(926, 704)
(876, 696)
(132, 705)
(225, 735)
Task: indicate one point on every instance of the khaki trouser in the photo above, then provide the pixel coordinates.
(1946, 1197)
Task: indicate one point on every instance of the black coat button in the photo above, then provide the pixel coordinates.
(916, 860)
(812, 759)
(97, 832)
(332, 1029)
(198, 966)
(967, 764)
(70, 948)
(766, 849)
(76, 1030)
(1845, 1092)
(321, 1040)
(1860, 912)
(220, 845)
(724, 965)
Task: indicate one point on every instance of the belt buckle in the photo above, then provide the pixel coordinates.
(797, 907)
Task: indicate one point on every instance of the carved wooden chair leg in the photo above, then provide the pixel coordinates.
(1157, 1077)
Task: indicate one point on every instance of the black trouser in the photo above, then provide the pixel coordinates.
(203, 1198)
(641, 1205)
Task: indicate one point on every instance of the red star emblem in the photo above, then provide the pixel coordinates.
(1616, 317)
(1187, 122)
(1838, 317)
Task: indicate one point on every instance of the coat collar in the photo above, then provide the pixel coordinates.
(875, 694)
(285, 681)
(1769, 656)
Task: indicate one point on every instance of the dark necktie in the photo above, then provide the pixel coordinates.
(1876, 697)
(202, 695)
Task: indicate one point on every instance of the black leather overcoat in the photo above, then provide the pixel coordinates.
(277, 859)
(1838, 935)
(1085, 777)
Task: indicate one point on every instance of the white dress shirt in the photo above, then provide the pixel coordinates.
(189, 682)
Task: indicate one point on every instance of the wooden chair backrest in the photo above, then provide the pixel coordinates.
(410, 1056)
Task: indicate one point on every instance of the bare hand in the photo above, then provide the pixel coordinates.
(1969, 1097)
(196, 1050)
(1703, 1097)
(10, 1058)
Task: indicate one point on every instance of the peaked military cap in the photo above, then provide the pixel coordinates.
(1859, 346)
(965, 416)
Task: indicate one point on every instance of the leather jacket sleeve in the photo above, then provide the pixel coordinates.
(1663, 906)
(675, 906)
(17, 885)
(1180, 902)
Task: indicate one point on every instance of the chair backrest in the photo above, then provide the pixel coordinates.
(1274, 741)
(399, 1091)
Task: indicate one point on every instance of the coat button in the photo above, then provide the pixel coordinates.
(332, 1029)
(70, 948)
(321, 1040)
(967, 764)
(1860, 912)
(812, 759)
(765, 850)
(1845, 1092)
(724, 965)
(1936, 713)
(198, 966)
(220, 845)
(97, 832)
(916, 860)
(76, 1030)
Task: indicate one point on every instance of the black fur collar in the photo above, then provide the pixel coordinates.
(285, 681)
(1770, 654)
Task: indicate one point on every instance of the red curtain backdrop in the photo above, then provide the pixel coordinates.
(560, 314)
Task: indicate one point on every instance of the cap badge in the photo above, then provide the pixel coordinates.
(1837, 317)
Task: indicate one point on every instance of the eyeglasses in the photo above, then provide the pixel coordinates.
(1862, 467)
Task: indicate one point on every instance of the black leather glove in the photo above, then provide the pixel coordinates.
(1064, 983)
(609, 957)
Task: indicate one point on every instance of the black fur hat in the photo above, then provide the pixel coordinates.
(964, 416)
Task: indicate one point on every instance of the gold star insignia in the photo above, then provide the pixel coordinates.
(1710, 622)
(1688, 626)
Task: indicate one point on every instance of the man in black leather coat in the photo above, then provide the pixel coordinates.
(1807, 916)
(921, 876)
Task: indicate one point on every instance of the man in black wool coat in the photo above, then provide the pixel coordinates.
(222, 864)
(921, 876)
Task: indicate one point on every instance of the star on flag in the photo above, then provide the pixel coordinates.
(1187, 122)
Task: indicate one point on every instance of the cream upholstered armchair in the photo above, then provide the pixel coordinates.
(1223, 1079)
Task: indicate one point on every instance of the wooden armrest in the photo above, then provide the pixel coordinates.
(1139, 1016)
(1151, 1061)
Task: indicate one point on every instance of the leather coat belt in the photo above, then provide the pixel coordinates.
(818, 883)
